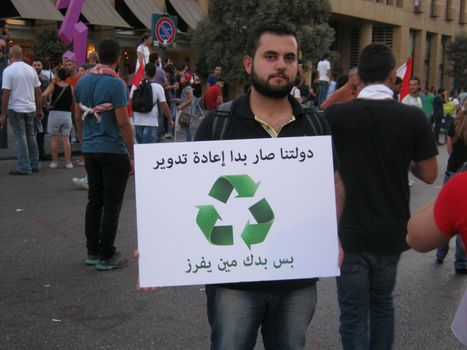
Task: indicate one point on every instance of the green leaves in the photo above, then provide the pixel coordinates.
(456, 53)
(221, 38)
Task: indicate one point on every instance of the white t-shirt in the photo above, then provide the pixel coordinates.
(145, 51)
(151, 118)
(323, 67)
(21, 79)
(295, 92)
(413, 101)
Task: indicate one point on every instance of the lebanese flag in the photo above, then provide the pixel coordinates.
(139, 74)
(405, 73)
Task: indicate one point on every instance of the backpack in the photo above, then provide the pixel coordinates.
(221, 123)
(142, 100)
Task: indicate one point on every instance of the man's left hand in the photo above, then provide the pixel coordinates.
(40, 115)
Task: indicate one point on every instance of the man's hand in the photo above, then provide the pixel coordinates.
(170, 122)
(40, 115)
(2, 119)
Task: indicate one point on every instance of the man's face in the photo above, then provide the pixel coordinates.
(274, 67)
(70, 66)
(220, 83)
(37, 65)
(147, 42)
(81, 71)
(414, 87)
(218, 71)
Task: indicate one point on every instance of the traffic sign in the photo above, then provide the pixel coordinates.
(164, 30)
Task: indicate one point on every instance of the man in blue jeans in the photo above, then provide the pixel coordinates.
(22, 103)
(106, 134)
(376, 150)
(282, 309)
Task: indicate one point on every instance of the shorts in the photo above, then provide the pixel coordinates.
(59, 123)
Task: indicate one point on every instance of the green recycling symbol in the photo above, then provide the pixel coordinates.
(223, 235)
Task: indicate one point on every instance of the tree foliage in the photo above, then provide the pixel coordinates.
(456, 53)
(48, 46)
(221, 37)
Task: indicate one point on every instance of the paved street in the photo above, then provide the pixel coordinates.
(50, 300)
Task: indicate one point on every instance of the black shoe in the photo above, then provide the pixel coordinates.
(44, 157)
(461, 271)
(36, 171)
(16, 172)
(439, 261)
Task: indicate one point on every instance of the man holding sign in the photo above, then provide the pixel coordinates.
(283, 309)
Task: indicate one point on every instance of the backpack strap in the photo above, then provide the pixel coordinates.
(221, 121)
(314, 120)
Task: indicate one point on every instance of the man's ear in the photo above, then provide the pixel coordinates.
(248, 63)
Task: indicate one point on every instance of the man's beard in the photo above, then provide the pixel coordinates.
(265, 88)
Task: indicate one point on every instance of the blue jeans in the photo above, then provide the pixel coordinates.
(236, 315)
(323, 91)
(441, 252)
(196, 107)
(25, 137)
(146, 134)
(364, 291)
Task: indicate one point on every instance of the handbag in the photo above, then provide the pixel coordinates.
(184, 119)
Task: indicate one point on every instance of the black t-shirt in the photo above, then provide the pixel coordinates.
(62, 103)
(244, 126)
(376, 140)
(459, 151)
(197, 89)
(438, 103)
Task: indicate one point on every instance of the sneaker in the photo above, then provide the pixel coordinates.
(92, 260)
(79, 162)
(115, 262)
(167, 136)
(69, 165)
(81, 182)
(53, 165)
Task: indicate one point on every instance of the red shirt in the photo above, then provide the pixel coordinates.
(450, 210)
(211, 95)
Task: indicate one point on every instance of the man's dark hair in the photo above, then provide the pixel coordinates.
(153, 57)
(375, 62)
(441, 91)
(398, 81)
(144, 36)
(150, 70)
(108, 51)
(62, 73)
(35, 59)
(416, 79)
(276, 28)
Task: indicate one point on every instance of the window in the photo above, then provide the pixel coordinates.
(462, 18)
(383, 34)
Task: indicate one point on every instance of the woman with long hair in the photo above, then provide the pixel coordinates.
(185, 106)
(60, 123)
(457, 149)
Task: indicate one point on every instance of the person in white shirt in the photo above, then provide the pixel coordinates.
(22, 103)
(147, 124)
(413, 98)
(143, 50)
(324, 77)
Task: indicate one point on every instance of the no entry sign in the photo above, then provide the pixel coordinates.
(164, 30)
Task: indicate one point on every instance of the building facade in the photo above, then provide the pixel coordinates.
(421, 29)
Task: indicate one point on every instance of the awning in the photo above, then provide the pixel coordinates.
(189, 10)
(37, 9)
(143, 10)
(100, 12)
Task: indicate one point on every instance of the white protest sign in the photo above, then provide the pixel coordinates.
(235, 211)
(459, 324)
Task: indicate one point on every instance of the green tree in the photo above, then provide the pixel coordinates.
(221, 37)
(456, 53)
(48, 46)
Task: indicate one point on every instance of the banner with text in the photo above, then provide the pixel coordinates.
(235, 211)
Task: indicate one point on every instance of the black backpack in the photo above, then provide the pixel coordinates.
(142, 100)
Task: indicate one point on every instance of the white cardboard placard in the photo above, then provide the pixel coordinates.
(235, 211)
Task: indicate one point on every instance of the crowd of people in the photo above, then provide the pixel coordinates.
(377, 142)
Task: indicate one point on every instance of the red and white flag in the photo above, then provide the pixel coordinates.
(139, 74)
(405, 73)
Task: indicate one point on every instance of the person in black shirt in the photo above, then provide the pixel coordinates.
(197, 93)
(283, 309)
(438, 112)
(377, 140)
